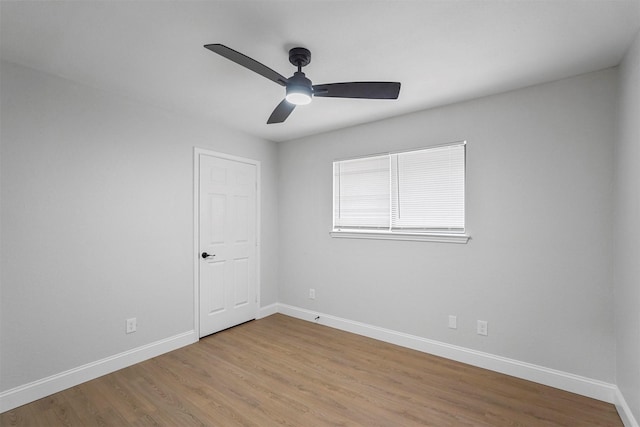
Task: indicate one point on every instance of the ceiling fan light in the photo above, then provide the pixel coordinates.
(298, 95)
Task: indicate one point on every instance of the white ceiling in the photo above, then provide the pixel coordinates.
(441, 51)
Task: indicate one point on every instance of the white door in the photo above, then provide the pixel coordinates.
(227, 242)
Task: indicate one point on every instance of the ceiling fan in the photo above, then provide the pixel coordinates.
(299, 89)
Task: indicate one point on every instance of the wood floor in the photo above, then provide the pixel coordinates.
(281, 371)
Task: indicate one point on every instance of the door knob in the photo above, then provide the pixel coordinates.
(206, 255)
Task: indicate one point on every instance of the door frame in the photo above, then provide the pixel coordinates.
(197, 152)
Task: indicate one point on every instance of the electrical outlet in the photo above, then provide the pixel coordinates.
(132, 325)
(312, 293)
(453, 322)
(483, 327)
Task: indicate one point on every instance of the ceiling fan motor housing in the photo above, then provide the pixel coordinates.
(299, 87)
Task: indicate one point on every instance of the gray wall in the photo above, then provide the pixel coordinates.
(97, 222)
(539, 212)
(92, 182)
(627, 232)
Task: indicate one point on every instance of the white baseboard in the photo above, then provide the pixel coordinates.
(624, 411)
(267, 311)
(41, 388)
(562, 380)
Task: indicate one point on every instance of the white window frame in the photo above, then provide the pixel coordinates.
(390, 234)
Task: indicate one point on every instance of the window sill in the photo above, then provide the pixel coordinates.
(381, 235)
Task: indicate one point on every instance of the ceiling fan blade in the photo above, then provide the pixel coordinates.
(368, 90)
(247, 62)
(281, 112)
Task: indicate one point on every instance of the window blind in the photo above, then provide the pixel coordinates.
(420, 191)
(361, 193)
(427, 189)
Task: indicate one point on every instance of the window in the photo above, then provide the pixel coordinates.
(412, 195)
